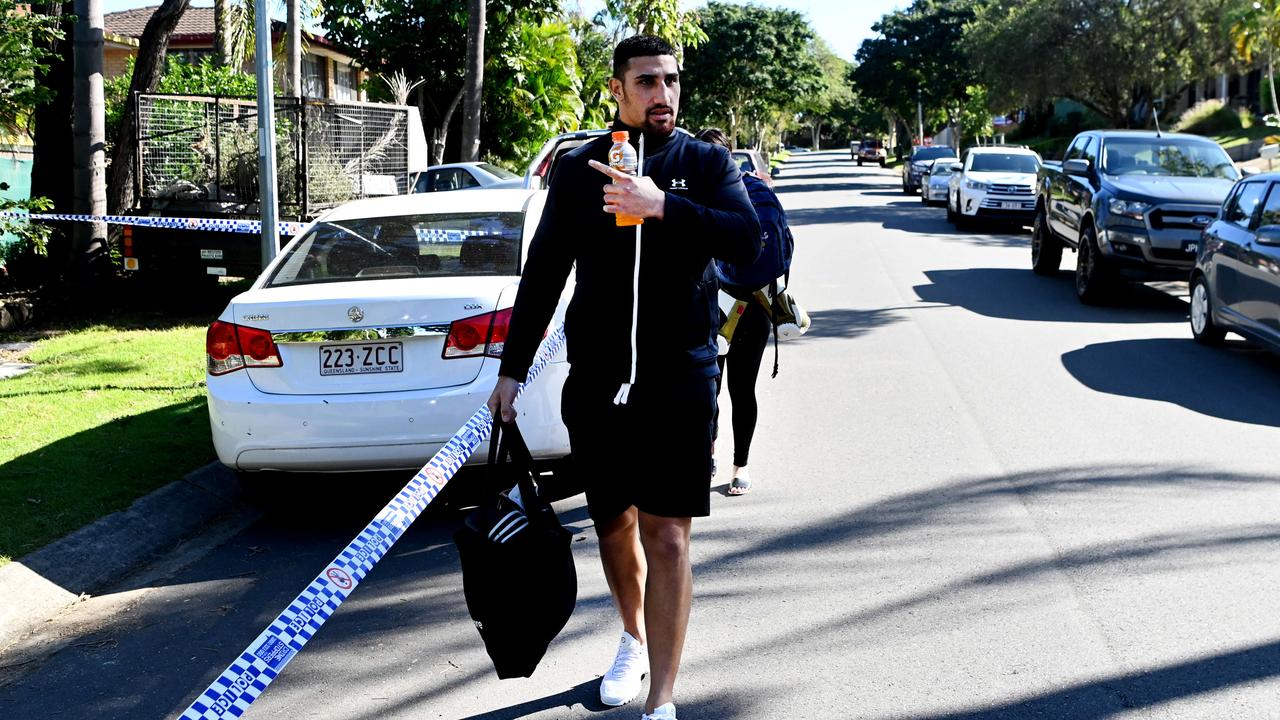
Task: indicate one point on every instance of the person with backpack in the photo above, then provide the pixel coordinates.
(751, 319)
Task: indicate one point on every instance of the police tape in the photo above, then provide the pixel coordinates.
(231, 225)
(248, 676)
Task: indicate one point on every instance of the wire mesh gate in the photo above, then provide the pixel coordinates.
(204, 149)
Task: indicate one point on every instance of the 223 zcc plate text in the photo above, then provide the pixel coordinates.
(358, 359)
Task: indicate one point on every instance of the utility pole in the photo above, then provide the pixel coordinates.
(919, 119)
(266, 133)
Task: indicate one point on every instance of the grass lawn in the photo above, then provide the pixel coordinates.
(1240, 137)
(109, 413)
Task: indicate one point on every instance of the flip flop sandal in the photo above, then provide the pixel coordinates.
(739, 486)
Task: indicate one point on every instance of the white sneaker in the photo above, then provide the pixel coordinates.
(622, 683)
(663, 712)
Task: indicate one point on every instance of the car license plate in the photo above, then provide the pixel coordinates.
(1011, 205)
(1190, 247)
(381, 357)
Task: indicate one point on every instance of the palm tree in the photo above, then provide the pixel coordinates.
(1255, 30)
(473, 83)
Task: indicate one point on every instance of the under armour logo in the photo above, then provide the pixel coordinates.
(679, 184)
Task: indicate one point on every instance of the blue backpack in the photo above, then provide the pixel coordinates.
(776, 245)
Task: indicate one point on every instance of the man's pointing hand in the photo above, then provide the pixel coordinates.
(632, 195)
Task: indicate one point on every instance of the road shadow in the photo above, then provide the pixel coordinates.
(801, 187)
(794, 174)
(1014, 294)
(910, 216)
(1235, 383)
(846, 323)
(1118, 695)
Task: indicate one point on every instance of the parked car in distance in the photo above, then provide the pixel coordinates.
(921, 158)
(936, 181)
(868, 150)
(1235, 282)
(751, 161)
(464, 176)
(993, 182)
(376, 334)
(1131, 204)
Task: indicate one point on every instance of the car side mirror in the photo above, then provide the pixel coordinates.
(956, 167)
(1076, 167)
(1268, 235)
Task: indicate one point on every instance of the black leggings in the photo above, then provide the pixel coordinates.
(742, 363)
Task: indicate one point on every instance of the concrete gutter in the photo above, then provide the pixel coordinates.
(39, 585)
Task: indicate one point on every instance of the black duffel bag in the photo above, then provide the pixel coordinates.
(517, 568)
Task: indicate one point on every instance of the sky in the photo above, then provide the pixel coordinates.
(844, 24)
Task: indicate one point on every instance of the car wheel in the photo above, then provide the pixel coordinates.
(1046, 248)
(1203, 328)
(859, 162)
(951, 214)
(881, 162)
(1094, 284)
(924, 197)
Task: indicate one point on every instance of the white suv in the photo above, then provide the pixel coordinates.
(995, 183)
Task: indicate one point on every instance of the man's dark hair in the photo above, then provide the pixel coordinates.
(713, 135)
(638, 46)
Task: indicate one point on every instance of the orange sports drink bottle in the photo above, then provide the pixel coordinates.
(623, 157)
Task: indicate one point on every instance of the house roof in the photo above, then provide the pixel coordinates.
(195, 25)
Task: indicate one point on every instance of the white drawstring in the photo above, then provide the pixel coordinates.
(625, 390)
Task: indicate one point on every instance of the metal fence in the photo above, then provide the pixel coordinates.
(205, 150)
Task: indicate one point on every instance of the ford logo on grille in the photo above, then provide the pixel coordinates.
(1202, 220)
(355, 313)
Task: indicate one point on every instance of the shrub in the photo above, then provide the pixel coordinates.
(1208, 117)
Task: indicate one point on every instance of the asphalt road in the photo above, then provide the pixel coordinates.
(975, 498)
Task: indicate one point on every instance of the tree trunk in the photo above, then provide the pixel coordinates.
(52, 120)
(473, 83)
(90, 261)
(441, 134)
(221, 32)
(1271, 80)
(146, 75)
(293, 48)
(816, 130)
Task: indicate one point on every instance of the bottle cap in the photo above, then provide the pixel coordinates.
(621, 136)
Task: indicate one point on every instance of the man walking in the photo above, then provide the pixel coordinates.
(640, 397)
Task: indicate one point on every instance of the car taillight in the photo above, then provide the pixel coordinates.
(480, 335)
(230, 347)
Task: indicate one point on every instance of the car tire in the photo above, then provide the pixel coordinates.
(1203, 328)
(951, 214)
(924, 198)
(1046, 248)
(859, 162)
(881, 162)
(1094, 284)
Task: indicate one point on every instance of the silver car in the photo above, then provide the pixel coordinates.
(935, 181)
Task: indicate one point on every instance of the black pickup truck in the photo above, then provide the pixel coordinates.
(1131, 204)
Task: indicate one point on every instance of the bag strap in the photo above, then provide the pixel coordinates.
(507, 445)
(773, 320)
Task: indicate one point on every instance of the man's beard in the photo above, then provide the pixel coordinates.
(664, 126)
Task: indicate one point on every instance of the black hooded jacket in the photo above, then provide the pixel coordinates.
(707, 215)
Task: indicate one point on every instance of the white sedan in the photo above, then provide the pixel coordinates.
(376, 334)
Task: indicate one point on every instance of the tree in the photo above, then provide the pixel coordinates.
(90, 260)
(755, 63)
(1255, 30)
(660, 18)
(473, 82)
(830, 96)
(532, 92)
(1112, 56)
(918, 57)
(426, 38)
(146, 74)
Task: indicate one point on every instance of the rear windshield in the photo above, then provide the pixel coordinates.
(941, 167)
(496, 171)
(1181, 157)
(745, 163)
(1004, 162)
(404, 246)
(932, 153)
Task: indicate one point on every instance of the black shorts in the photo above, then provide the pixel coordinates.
(653, 453)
